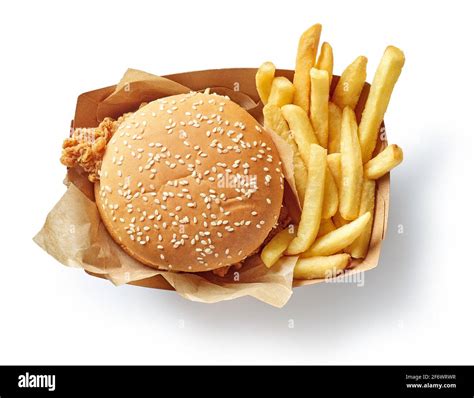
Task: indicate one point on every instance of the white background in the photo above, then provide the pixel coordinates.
(415, 308)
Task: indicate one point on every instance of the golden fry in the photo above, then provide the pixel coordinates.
(339, 239)
(320, 267)
(313, 201)
(282, 92)
(300, 173)
(318, 108)
(326, 60)
(334, 128)
(351, 167)
(351, 83)
(274, 120)
(385, 161)
(339, 221)
(380, 92)
(331, 198)
(358, 249)
(305, 58)
(325, 227)
(334, 164)
(274, 249)
(263, 80)
(301, 128)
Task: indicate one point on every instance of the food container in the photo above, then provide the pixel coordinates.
(239, 84)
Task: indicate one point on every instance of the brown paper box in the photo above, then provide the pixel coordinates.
(239, 84)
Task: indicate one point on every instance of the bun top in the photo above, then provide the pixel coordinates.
(190, 183)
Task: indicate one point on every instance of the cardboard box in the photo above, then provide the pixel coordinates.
(241, 80)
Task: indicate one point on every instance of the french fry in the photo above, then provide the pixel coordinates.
(326, 60)
(351, 83)
(339, 221)
(334, 128)
(305, 58)
(334, 164)
(351, 167)
(281, 92)
(380, 92)
(300, 173)
(301, 128)
(274, 120)
(385, 161)
(325, 227)
(313, 201)
(274, 249)
(339, 239)
(358, 249)
(331, 198)
(263, 80)
(318, 108)
(320, 267)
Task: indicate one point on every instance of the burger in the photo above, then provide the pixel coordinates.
(187, 183)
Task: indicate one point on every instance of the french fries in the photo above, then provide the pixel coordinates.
(301, 128)
(358, 249)
(325, 227)
(275, 121)
(305, 58)
(380, 92)
(338, 239)
(334, 128)
(331, 199)
(351, 167)
(274, 249)
(300, 173)
(351, 83)
(318, 111)
(339, 221)
(264, 79)
(320, 267)
(326, 60)
(334, 164)
(385, 161)
(313, 201)
(281, 92)
(334, 172)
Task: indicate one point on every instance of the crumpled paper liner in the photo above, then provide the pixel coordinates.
(75, 235)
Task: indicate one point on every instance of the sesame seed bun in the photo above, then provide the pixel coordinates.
(169, 194)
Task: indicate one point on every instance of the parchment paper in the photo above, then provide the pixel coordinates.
(75, 235)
